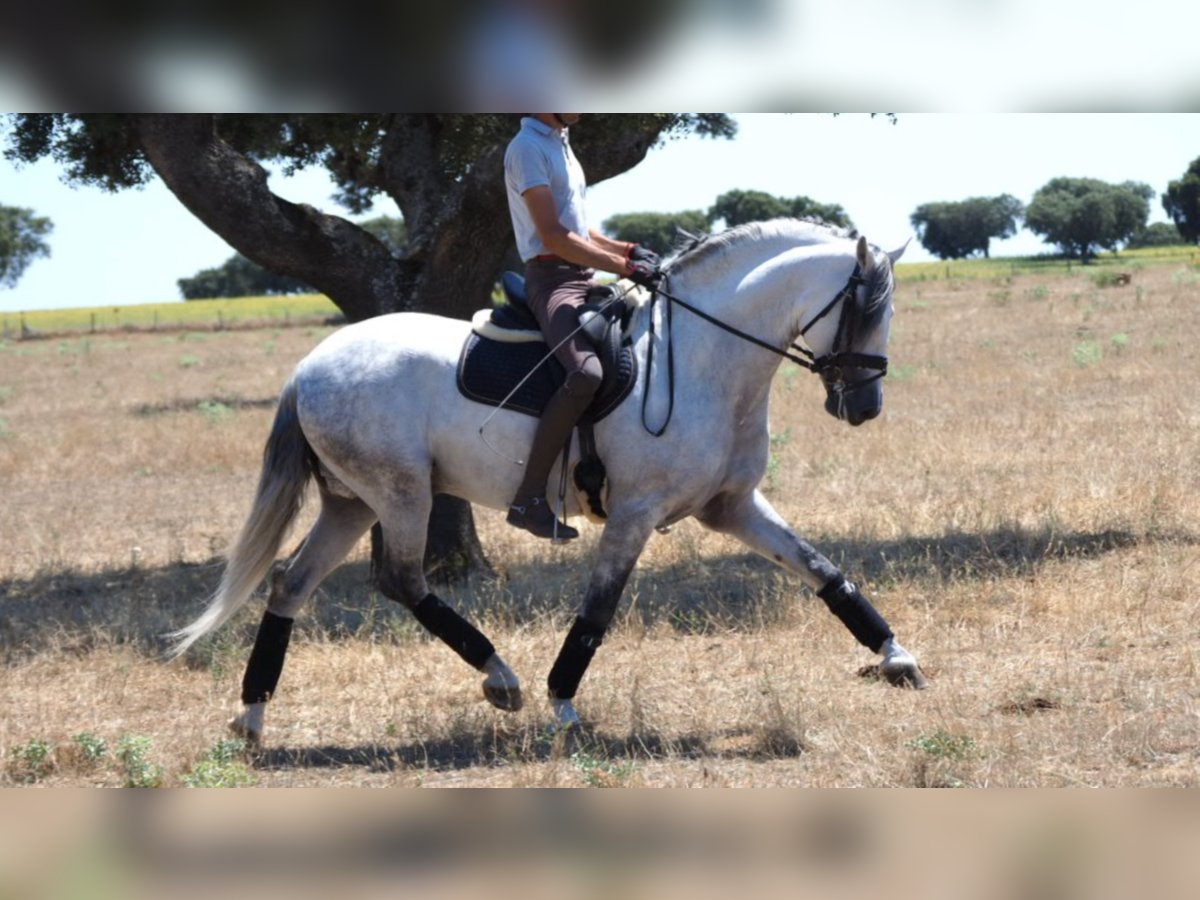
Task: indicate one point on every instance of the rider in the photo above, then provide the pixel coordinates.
(546, 189)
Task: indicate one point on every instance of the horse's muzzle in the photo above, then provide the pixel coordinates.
(855, 406)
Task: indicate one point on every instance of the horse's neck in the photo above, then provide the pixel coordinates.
(768, 288)
(765, 294)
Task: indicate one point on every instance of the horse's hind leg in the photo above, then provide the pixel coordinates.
(753, 520)
(401, 577)
(341, 522)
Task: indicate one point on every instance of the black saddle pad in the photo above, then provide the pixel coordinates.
(489, 370)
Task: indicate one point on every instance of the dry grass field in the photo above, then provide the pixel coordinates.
(1026, 513)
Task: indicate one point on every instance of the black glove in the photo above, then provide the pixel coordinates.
(641, 253)
(645, 273)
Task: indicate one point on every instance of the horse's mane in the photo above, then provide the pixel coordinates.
(694, 249)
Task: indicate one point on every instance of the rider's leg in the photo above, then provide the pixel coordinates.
(555, 293)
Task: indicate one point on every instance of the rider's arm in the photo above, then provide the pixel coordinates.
(570, 246)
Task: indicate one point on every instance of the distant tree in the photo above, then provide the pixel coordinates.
(1158, 234)
(1182, 203)
(21, 242)
(390, 230)
(954, 230)
(1083, 214)
(738, 207)
(239, 277)
(657, 231)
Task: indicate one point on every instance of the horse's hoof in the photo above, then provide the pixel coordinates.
(252, 736)
(903, 673)
(503, 697)
(566, 720)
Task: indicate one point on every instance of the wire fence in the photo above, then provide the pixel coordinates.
(208, 315)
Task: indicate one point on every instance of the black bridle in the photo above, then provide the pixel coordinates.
(829, 366)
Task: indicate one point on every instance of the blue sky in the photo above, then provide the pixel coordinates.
(131, 247)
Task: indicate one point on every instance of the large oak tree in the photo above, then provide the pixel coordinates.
(444, 171)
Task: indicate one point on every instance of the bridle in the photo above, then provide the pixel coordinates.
(830, 366)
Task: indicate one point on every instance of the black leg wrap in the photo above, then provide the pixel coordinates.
(856, 612)
(460, 635)
(266, 659)
(573, 659)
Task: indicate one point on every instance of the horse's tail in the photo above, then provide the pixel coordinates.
(288, 463)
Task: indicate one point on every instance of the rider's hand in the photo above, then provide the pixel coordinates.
(643, 272)
(638, 252)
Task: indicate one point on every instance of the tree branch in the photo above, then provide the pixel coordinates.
(228, 192)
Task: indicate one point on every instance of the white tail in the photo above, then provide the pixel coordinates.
(287, 467)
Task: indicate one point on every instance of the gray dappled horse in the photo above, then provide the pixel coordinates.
(373, 414)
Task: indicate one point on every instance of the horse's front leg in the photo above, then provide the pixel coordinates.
(751, 519)
(621, 544)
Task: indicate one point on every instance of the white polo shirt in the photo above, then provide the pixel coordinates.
(541, 155)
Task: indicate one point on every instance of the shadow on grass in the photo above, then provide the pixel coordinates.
(139, 606)
(587, 750)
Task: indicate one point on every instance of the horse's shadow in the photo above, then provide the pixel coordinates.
(138, 606)
(587, 748)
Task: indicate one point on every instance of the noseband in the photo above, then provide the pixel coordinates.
(829, 366)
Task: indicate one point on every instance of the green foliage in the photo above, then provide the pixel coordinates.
(91, 747)
(944, 745)
(103, 150)
(1157, 234)
(738, 207)
(1083, 214)
(1086, 354)
(32, 761)
(214, 411)
(955, 230)
(238, 277)
(22, 241)
(221, 767)
(140, 772)
(601, 771)
(657, 231)
(1182, 202)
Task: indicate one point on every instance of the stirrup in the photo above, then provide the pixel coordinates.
(540, 524)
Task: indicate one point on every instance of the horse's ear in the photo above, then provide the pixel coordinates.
(864, 255)
(894, 255)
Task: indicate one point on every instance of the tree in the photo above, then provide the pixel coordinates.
(238, 277)
(738, 207)
(390, 231)
(1182, 202)
(656, 231)
(954, 230)
(444, 171)
(1082, 214)
(22, 234)
(1157, 234)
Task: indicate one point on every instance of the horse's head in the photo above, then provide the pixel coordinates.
(852, 368)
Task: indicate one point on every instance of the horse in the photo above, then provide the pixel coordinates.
(373, 416)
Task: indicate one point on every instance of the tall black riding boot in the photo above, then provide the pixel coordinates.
(530, 509)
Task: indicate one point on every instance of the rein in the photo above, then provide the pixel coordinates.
(832, 362)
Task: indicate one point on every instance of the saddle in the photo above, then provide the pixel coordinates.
(505, 360)
(506, 344)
